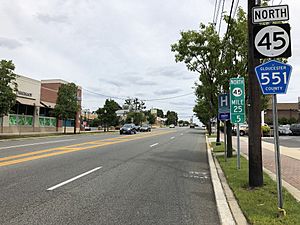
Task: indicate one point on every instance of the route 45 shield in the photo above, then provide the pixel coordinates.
(272, 41)
(273, 77)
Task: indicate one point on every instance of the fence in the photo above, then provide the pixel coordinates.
(47, 121)
(20, 120)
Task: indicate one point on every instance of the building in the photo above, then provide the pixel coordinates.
(33, 111)
(289, 111)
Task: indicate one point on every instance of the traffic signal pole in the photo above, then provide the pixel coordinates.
(254, 109)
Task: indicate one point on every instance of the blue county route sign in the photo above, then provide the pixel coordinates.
(273, 77)
(223, 107)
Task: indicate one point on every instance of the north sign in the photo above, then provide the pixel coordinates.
(270, 14)
(237, 100)
(273, 77)
(272, 41)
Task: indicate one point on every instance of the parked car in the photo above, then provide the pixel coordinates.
(295, 128)
(192, 125)
(243, 129)
(128, 128)
(172, 126)
(137, 127)
(145, 128)
(284, 129)
(87, 128)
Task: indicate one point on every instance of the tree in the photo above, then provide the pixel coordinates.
(67, 103)
(107, 114)
(151, 118)
(201, 52)
(134, 105)
(172, 118)
(8, 88)
(135, 117)
(160, 113)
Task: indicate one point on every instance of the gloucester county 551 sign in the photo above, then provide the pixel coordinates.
(273, 77)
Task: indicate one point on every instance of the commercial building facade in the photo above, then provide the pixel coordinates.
(33, 111)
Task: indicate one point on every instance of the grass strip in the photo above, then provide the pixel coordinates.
(259, 205)
(218, 148)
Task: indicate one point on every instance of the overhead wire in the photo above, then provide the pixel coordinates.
(124, 98)
(221, 16)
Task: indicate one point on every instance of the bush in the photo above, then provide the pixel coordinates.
(265, 129)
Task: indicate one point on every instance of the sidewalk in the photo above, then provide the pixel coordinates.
(290, 162)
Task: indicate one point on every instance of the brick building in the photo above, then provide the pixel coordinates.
(34, 105)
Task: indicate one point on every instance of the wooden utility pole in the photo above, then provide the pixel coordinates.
(254, 113)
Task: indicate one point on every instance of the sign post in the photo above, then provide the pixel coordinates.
(224, 115)
(274, 77)
(237, 109)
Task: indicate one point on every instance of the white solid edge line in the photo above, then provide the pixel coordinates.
(172, 138)
(74, 178)
(39, 143)
(153, 145)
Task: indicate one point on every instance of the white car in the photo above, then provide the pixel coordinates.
(172, 126)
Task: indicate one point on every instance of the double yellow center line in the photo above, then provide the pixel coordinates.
(19, 158)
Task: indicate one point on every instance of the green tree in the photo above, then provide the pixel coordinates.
(67, 103)
(107, 114)
(151, 118)
(135, 117)
(8, 88)
(201, 52)
(172, 118)
(160, 113)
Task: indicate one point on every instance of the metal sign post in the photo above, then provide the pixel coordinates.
(277, 153)
(238, 162)
(225, 142)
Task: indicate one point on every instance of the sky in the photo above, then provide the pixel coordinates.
(118, 48)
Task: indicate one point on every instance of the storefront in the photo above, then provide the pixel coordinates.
(33, 111)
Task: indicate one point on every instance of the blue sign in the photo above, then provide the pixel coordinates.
(223, 107)
(273, 77)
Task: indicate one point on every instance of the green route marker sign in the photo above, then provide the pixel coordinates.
(237, 100)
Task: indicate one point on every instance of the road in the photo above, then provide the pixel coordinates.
(286, 141)
(159, 177)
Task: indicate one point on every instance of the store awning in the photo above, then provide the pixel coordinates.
(26, 101)
(48, 104)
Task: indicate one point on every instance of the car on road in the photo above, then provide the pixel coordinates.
(284, 129)
(243, 129)
(192, 125)
(137, 127)
(172, 126)
(145, 128)
(295, 128)
(128, 128)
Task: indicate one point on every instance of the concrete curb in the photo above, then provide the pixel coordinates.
(225, 215)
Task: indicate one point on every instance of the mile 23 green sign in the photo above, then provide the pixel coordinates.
(237, 100)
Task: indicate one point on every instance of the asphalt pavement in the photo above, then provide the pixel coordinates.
(159, 177)
(286, 141)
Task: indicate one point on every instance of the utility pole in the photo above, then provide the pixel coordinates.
(254, 109)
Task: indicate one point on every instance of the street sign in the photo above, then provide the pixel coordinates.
(237, 100)
(270, 13)
(271, 41)
(223, 107)
(273, 77)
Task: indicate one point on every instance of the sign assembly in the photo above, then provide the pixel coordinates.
(237, 100)
(223, 107)
(273, 77)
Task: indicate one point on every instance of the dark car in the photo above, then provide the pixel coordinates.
(295, 128)
(145, 128)
(137, 127)
(128, 129)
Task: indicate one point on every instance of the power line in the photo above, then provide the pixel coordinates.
(215, 11)
(124, 98)
(236, 6)
(221, 16)
(158, 99)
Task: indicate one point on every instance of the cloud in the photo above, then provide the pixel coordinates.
(145, 82)
(168, 92)
(9, 43)
(182, 103)
(46, 18)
